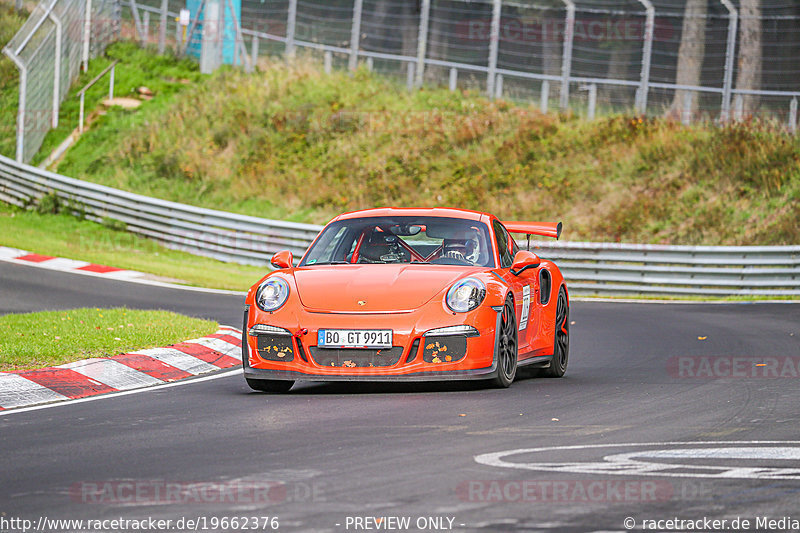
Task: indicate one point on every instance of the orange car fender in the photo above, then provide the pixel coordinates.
(497, 289)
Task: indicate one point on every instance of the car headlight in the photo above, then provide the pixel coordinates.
(465, 295)
(272, 294)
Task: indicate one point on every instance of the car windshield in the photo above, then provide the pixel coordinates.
(401, 239)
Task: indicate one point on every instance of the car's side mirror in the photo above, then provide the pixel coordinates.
(282, 259)
(523, 261)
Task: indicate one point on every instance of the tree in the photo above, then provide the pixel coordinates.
(690, 55)
(749, 71)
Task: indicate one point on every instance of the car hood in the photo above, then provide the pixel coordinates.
(373, 288)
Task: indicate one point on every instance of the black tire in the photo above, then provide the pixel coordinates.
(507, 347)
(558, 366)
(269, 385)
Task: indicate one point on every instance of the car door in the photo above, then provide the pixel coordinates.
(525, 288)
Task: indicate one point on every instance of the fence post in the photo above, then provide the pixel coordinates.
(793, 115)
(566, 61)
(146, 26)
(355, 34)
(57, 68)
(686, 112)
(730, 52)
(162, 27)
(592, 88)
(80, 114)
(238, 46)
(647, 53)
(253, 53)
(738, 108)
(545, 95)
(422, 42)
(453, 81)
(410, 75)
(87, 33)
(498, 86)
(494, 45)
(291, 21)
(23, 90)
(328, 61)
(137, 22)
(111, 81)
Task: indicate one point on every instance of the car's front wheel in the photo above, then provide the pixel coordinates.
(269, 385)
(507, 347)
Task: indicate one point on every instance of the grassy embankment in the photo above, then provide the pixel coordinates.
(33, 340)
(296, 144)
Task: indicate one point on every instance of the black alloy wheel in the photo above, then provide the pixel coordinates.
(507, 347)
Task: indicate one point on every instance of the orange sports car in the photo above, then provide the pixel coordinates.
(402, 294)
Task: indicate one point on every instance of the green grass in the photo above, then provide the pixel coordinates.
(165, 75)
(296, 144)
(10, 22)
(34, 340)
(63, 235)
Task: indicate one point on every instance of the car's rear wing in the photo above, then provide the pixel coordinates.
(545, 229)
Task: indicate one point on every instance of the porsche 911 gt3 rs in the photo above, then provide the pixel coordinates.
(402, 294)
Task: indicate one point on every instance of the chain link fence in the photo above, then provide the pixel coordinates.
(692, 60)
(48, 50)
(712, 60)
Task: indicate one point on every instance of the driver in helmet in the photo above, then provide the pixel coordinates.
(460, 249)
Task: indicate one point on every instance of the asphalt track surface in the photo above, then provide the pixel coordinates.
(325, 456)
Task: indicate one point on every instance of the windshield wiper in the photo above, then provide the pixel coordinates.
(332, 263)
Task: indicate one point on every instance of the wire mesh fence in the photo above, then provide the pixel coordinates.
(713, 60)
(692, 60)
(48, 51)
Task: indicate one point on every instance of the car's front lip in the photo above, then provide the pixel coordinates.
(478, 363)
(478, 373)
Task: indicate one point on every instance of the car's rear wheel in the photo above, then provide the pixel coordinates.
(507, 347)
(269, 385)
(558, 366)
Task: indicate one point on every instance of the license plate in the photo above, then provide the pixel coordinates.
(354, 338)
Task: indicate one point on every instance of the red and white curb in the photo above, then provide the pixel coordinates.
(143, 368)
(15, 255)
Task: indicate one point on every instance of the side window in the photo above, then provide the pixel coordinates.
(506, 257)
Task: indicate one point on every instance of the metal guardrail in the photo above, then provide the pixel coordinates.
(590, 268)
(217, 234)
(649, 269)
